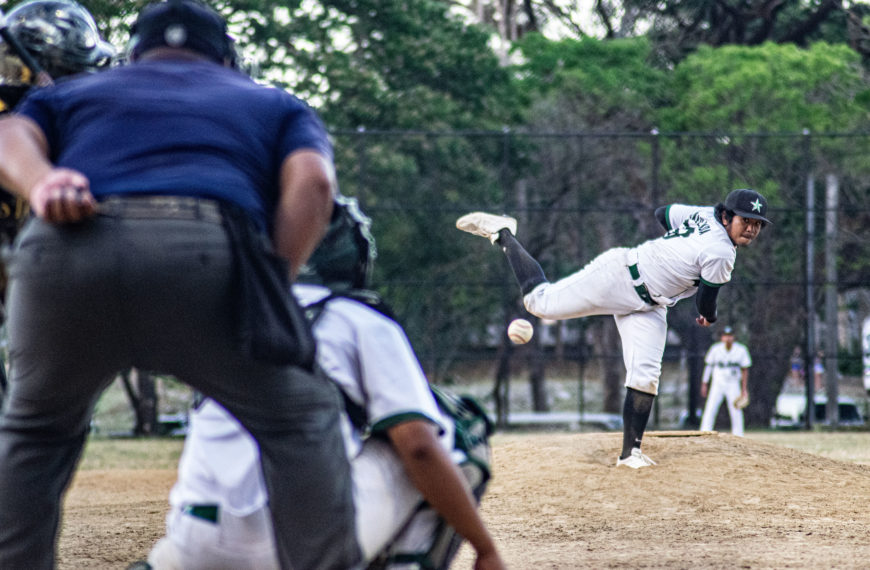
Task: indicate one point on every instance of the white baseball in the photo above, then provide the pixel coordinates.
(520, 331)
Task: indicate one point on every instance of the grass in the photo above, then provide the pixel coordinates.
(163, 453)
(851, 446)
(131, 453)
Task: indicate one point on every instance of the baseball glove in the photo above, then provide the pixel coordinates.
(742, 401)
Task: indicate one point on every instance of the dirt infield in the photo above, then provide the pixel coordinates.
(557, 502)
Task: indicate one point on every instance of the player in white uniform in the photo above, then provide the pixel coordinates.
(727, 362)
(637, 285)
(400, 444)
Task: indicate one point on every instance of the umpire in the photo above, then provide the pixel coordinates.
(159, 189)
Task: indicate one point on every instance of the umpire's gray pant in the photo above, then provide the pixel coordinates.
(87, 301)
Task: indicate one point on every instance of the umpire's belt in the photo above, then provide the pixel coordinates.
(161, 207)
(640, 286)
(208, 513)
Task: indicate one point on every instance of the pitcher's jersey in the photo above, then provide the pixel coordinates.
(726, 365)
(695, 249)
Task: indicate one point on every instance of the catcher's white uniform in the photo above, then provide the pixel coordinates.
(636, 285)
(726, 368)
(369, 356)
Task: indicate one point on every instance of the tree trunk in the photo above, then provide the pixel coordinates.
(612, 367)
(143, 399)
(537, 375)
(696, 341)
(501, 390)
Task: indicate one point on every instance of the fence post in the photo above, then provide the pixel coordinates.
(810, 351)
(503, 374)
(361, 161)
(832, 191)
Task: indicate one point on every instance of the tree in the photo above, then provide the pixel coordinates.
(601, 87)
(679, 28)
(778, 89)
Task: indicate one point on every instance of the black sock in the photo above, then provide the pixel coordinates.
(635, 415)
(527, 271)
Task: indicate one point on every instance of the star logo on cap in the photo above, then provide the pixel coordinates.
(756, 206)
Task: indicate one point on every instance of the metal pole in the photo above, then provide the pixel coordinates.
(361, 162)
(810, 350)
(831, 306)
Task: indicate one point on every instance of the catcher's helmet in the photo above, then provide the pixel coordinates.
(187, 24)
(60, 34)
(747, 203)
(345, 257)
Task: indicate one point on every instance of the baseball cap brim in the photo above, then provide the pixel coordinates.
(751, 215)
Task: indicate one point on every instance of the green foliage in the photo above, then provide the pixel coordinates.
(405, 64)
(600, 77)
(769, 88)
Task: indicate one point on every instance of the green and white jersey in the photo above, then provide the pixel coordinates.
(724, 364)
(371, 359)
(695, 249)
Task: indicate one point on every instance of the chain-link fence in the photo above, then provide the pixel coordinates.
(577, 194)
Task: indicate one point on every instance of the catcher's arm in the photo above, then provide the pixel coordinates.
(442, 485)
(42, 76)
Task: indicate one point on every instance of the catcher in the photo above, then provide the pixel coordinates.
(417, 479)
(727, 362)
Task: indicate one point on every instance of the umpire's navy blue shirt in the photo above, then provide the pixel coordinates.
(176, 127)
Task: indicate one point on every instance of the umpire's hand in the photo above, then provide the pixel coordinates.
(63, 196)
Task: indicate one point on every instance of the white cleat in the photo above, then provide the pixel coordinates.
(486, 225)
(636, 460)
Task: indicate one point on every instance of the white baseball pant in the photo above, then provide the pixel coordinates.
(605, 287)
(729, 391)
(384, 497)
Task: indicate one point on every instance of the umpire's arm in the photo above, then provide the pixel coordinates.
(58, 195)
(308, 187)
(24, 151)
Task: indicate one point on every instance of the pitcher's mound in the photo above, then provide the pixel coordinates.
(558, 502)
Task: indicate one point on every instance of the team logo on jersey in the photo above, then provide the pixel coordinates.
(756, 206)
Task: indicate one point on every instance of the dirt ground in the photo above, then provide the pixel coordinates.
(558, 502)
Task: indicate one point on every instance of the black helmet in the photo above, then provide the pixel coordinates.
(60, 34)
(747, 203)
(184, 24)
(345, 257)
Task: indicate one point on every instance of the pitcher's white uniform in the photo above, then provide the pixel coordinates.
(726, 368)
(636, 285)
(370, 357)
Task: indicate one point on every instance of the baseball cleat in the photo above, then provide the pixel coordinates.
(486, 225)
(636, 460)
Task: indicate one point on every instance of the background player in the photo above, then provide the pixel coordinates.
(399, 442)
(637, 285)
(727, 362)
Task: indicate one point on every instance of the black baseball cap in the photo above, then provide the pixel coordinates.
(747, 203)
(727, 330)
(187, 24)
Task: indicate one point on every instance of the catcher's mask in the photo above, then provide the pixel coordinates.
(60, 34)
(345, 257)
(184, 24)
